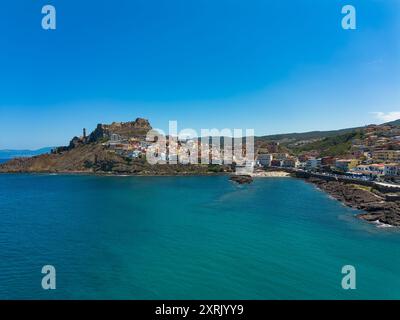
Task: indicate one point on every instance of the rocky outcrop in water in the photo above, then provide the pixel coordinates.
(241, 179)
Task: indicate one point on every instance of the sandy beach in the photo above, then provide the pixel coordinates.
(271, 174)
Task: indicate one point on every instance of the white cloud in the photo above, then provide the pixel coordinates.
(388, 116)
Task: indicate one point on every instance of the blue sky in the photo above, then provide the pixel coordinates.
(275, 66)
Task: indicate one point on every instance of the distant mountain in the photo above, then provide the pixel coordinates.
(393, 123)
(306, 135)
(316, 134)
(9, 154)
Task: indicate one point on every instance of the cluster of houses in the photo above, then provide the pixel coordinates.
(277, 160)
(386, 165)
(130, 148)
(183, 151)
(374, 154)
(378, 138)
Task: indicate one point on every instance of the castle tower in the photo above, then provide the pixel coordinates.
(84, 133)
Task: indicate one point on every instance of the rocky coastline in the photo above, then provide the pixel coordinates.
(377, 206)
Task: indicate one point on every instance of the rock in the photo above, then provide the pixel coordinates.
(141, 123)
(241, 179)
(376, 205)
(75, 142)
(132, 129)
(97, 134)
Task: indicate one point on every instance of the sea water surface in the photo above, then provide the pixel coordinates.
(187, 238)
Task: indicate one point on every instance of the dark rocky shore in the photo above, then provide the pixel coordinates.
(377, 206)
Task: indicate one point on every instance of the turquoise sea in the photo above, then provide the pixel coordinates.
(187, 238)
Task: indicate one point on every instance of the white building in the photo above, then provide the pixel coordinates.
(290, 163)
(135, 154)
(369, 170)
(313, 163)
(264, 159)
(392, 169)
(115, 137)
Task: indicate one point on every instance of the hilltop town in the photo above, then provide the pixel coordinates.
(117, 148)
(358, 166)
(370, 153)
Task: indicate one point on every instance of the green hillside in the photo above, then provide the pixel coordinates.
(332, 146)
